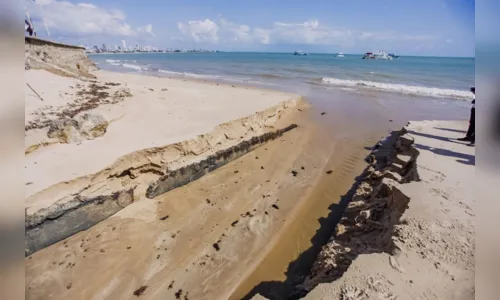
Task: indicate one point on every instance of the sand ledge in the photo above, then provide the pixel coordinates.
(74, 204)
(409, 228)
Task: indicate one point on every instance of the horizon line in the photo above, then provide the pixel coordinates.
(282, 52)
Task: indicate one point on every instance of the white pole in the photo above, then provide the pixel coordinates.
(44, 23)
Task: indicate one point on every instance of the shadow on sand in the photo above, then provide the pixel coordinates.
(451, 130)
(437, 137)
(462, 157)
(299, 269)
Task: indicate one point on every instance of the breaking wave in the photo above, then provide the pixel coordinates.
(400, 88)
(243, 80)
(191, 75)
(113, 62)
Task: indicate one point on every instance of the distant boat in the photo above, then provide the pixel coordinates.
(340, 54)
(378, 55)
(299, 53)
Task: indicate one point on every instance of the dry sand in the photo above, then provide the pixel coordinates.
(156, 126)
(434, 240)
(160, 112)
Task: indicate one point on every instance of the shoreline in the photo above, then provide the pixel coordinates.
(365, 83)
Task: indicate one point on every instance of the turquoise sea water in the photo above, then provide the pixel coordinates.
(435, 77)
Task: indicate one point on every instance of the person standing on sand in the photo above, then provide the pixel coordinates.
(470, 136)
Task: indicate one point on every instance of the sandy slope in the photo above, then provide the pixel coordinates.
(436, 234)
(160, 111)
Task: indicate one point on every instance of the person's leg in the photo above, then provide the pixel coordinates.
(472, 140)
(473, 126)
(472, 123)
(470, 130)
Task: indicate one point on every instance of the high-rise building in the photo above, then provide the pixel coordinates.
(103, 47)
(124, 45)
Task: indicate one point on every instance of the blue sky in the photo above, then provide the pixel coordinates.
(407, 27)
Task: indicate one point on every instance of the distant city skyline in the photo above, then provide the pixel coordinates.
(426, 27)
(114, 48)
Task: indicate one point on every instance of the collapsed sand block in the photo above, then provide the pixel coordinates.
(394, 176)
(367, 227)
(369, 220)
(83, 126)
(406, 141)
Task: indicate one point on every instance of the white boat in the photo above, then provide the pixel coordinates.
(340, 54)
(380, 54)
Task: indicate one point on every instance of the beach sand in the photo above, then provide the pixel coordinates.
(233, 223)
(426, 249)
(155, 126)
(190, 234)
(159, 112)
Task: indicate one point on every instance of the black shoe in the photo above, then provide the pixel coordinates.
(471, 144)
(464, 139)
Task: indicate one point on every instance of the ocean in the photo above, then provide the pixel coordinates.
(430, 77)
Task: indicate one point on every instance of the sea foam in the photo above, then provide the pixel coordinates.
(401, 88)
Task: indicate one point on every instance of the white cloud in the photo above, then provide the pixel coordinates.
(83, 19)
(200, 31)
(146, 29)
(308, 33)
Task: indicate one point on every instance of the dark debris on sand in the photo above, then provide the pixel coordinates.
(216, 246)
(171, 285)
(140, 290)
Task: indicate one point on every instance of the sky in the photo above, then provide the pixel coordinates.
(405, 27)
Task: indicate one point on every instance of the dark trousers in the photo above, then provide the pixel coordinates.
(471, 132)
